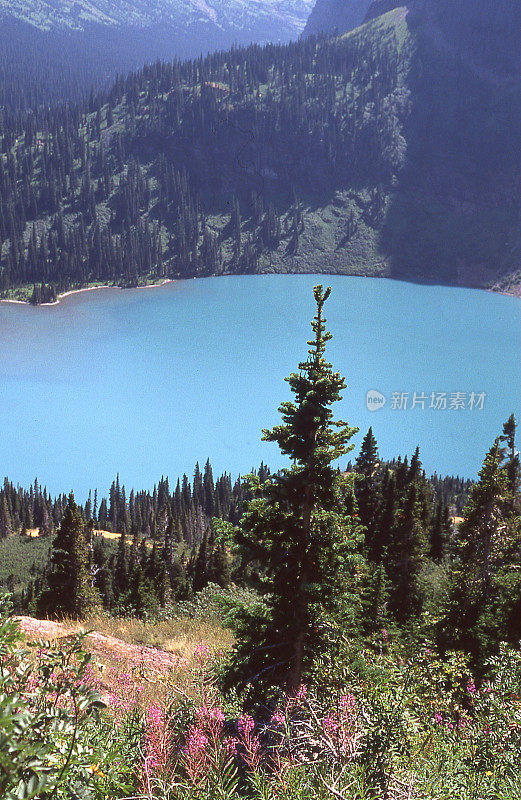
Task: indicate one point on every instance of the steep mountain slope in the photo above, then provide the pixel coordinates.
(457, 206)
(330, 16)
(392, 150)
(93, 39)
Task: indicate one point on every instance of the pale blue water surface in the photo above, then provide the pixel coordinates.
(147, 382)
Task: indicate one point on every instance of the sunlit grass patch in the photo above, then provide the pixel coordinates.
(136, 662)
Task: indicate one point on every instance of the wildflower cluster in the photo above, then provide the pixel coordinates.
(367, 739)
(53, 742)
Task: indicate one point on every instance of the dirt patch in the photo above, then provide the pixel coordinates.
(104, 646)
(41, 628)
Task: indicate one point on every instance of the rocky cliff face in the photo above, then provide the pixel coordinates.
(330, 16)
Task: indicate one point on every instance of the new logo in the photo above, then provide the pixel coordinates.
(375, 400)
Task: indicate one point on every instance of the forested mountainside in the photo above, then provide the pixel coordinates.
(392, 150)
(336, 16)
(57, 50)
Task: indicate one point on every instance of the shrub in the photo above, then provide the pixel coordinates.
(53, 741)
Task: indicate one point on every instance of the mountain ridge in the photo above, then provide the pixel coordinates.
(336, 16)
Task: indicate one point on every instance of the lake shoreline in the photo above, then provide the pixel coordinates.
(515, 291)
(71, 292)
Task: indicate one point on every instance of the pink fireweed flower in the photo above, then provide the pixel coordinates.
(278, 718)
(464, 721)
(202, 652)
(437, 719)
(230, 745)
(251, 743)
(347, 703)
(301, 693)
(212, 714)
(245, 725)
(196, 741)
(330, 725)
(252, 751)
(471, 687)
(157, 746)
(195, 755)
(216, 715)
(210, 719)
(155, 716)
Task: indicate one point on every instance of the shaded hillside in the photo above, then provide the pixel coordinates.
(336, 16)
(456, 208)
(392, 150)
(55, 51)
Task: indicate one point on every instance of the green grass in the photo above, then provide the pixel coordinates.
(18, 554)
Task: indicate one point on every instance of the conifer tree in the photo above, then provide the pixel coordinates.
(70, 591)
(164, 589)
(141, 596)
(103, 576)
(481, 535)
(219, 567)
(180, 586)
(367, 489)
(298, 529)
(386, 519)
(486, 549)
(121, 566)
(6, 526)
(376, 601)
(209, 490)
(405, 555)
(513, 466)
(437, 539)
(200, 577)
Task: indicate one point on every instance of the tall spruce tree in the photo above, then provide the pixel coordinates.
(367, 490)
(405, 554)
(487, 557)
(386, 518)
(511, 454)
(6, 526)
(70, 591)
(437, 537)
(298, 529)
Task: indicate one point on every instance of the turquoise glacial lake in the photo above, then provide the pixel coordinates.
(147, 382)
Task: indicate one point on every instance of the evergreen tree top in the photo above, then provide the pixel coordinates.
(307, 434)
